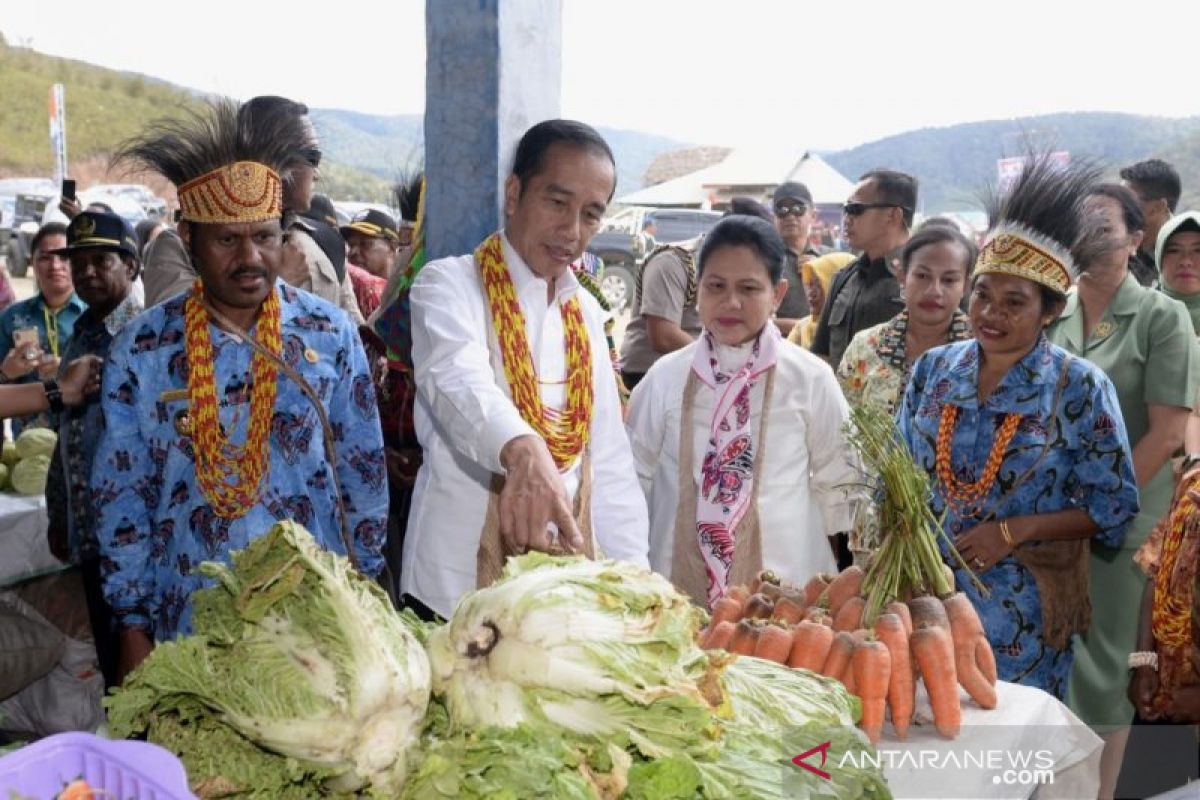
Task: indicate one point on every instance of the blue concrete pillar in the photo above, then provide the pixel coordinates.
(493, 69)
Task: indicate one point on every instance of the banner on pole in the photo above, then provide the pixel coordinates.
(58, 131)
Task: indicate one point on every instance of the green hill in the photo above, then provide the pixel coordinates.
(392, 146)
(104, 107)
(955, 163)
(365, 153)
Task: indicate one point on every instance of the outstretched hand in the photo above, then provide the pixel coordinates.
(533, 498)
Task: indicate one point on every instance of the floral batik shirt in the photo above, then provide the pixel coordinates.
(1085, 462)
(874, 369)
(153, 523)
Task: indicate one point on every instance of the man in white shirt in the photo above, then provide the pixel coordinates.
(517, 407)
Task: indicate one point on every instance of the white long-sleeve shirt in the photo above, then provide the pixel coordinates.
(807, 457)
(463, 418)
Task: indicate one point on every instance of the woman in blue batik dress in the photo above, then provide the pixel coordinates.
(1024, 443)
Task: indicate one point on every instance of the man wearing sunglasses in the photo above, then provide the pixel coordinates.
(876, 221)
(794, 213)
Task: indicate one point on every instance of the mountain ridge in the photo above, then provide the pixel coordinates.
(366, 153)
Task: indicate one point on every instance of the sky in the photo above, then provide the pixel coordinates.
(826, 75)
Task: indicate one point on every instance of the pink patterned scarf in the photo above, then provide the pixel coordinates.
(727, 476)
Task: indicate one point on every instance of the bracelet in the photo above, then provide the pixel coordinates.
(1007, 534)
(1189, 460)
(1143, 658)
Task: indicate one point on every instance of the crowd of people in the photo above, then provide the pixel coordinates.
(429, 419)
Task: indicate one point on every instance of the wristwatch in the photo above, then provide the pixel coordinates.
(53, 395)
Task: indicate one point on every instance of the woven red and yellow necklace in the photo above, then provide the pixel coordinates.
(1171, 612)
(565, 433)
(230, 476)
(964, 496)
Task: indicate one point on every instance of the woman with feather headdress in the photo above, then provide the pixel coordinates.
(1025, 443)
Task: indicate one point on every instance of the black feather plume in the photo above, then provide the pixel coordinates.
(197, 142)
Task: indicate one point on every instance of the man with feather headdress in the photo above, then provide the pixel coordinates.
(215, 400)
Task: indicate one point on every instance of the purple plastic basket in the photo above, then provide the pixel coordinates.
(123, 770)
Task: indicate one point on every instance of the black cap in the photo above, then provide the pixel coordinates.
(321, 209)
(373, 223)
(97, 230)
(749, 207)
(794, 190)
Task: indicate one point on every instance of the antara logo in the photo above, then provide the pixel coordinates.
(800, 761)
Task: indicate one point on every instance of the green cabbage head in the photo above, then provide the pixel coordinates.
(298, 655)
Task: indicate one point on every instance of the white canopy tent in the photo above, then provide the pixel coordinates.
(750, 171)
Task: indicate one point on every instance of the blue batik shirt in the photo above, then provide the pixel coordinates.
(153, 523)
(1088, 465)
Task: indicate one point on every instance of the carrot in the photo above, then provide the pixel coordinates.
(934, 649)
(764, 579)
(719, 635)
(901, 611)
(772, 591)
(810, 645)
(840, 651)
(739, 593)
(973, 655)
(928, 609)
(871, 663)
(744, 639)
(815, 587)
(759, 606)
(727, 609)
(774, 643)
(889, 629)
(846, 585)
(787, 611)
(77, 790)
(850, 615)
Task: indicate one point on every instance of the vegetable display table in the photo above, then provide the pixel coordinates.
(24, 552)
(1029, 745)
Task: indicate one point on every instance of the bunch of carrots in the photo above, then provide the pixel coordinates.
(823, 627)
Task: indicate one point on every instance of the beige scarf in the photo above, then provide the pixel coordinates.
(688, 570)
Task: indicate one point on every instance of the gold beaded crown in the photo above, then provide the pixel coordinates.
(228, 160)
(1015, 249)
(244, 191)
(1037, 220)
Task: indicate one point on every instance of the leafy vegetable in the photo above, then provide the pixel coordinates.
(297, 655)
(596, 648)
(29, 475)
(906, 560)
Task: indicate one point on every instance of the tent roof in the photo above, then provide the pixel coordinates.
(748, 167)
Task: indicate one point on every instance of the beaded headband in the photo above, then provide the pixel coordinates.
(244, 191)
(1014, 249)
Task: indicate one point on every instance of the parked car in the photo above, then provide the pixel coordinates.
(154, 206)
(123, 205)
(28, 209)
(614, 244)
(10, 188)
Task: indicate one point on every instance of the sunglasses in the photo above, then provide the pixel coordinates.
(799, 209)
(855, 209)
(313, 156)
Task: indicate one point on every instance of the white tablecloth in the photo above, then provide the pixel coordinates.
(24, 552)
(1004, 753)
